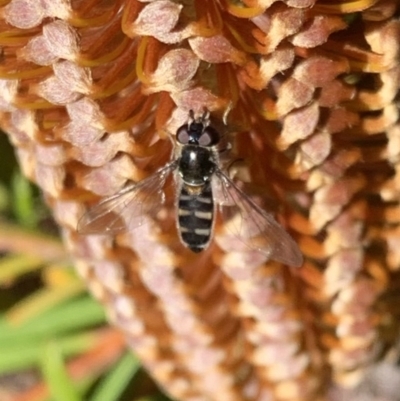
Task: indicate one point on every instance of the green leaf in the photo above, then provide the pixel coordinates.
(4, 198)
(77, 314)
(19, 345)
(43, 299)
(113, 385)
(13, 266)
(23, 204)
(56, 376)
(21, 356)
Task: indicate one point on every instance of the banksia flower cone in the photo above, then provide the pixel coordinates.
(305, 92)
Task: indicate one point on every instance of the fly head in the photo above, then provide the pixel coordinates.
(198, 132)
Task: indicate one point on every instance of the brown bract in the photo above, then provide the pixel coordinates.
(91, 94)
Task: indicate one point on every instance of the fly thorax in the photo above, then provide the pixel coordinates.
(196, 165)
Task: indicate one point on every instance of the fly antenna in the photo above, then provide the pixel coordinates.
(205, 118)
(191, 116)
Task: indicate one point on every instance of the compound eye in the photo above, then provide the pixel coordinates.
(182, 134)
(209, 137)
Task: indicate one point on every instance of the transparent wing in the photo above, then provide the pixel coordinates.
(252, 226)
(124, 210)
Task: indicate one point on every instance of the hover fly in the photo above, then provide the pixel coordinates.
(203, 191)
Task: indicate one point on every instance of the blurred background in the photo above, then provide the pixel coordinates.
(55, 343)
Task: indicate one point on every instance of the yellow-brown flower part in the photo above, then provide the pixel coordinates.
(306, 91)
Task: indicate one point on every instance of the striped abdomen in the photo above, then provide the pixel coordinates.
(195, 216)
